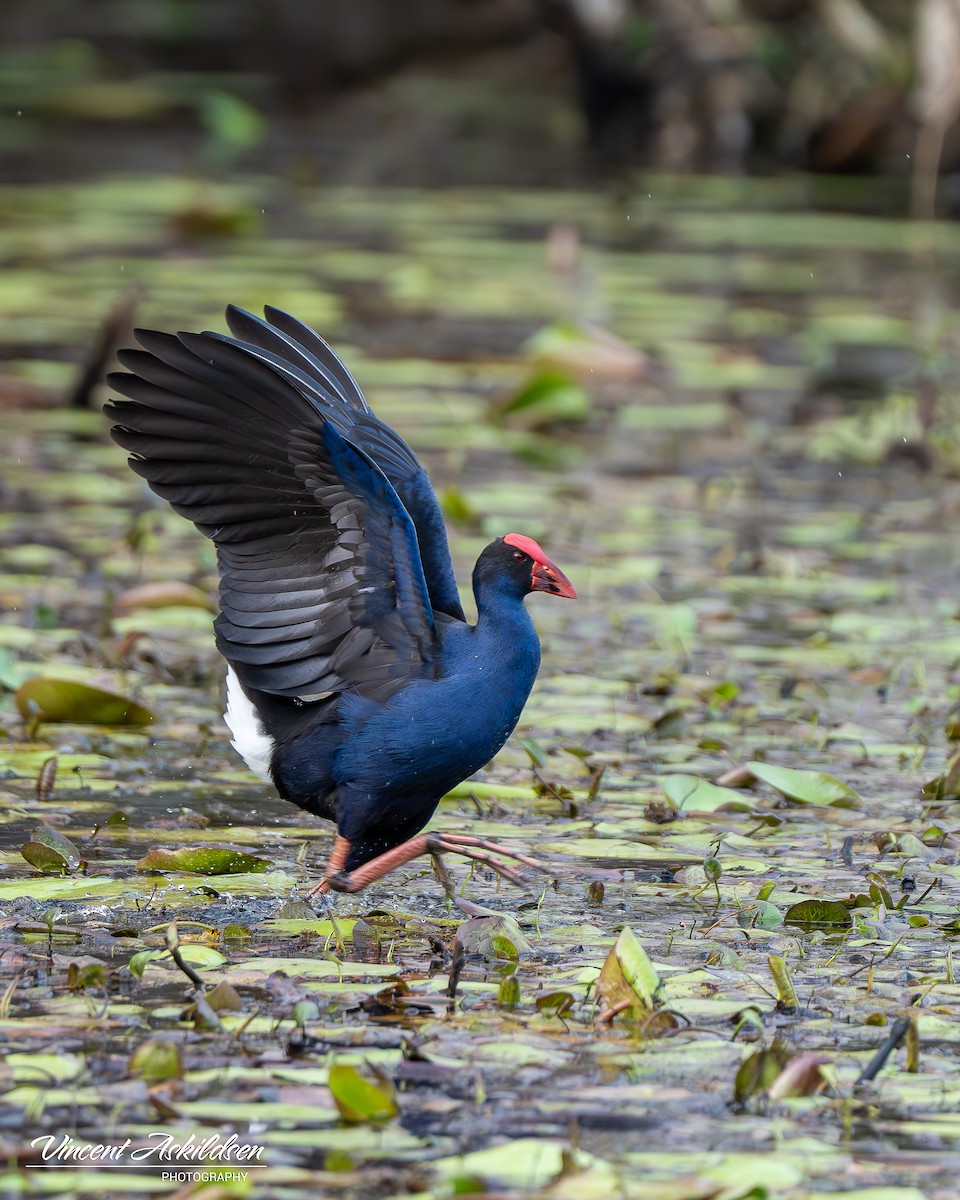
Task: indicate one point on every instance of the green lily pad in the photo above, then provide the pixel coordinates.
(628, 976)
(77, 703)
(50, 852)
(818, 914)
(46, 860)
(496, 936)
(806, 787)
(155, 1062)
(357, 1099)
(692, 794)
(204, 860)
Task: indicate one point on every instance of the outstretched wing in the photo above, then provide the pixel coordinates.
(301, 356)
(322, 586)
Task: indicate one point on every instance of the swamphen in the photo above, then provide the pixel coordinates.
(355, 683)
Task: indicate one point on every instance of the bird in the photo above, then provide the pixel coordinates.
(355, 684)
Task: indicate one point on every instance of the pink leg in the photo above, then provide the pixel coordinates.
(338, 856)
(478, 849)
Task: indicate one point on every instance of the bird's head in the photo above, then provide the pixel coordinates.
(524, 559)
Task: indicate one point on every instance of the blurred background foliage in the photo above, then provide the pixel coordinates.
(488, 91)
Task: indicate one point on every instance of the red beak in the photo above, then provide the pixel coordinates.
(547, 577)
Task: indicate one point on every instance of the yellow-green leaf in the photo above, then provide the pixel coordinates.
(692, 794)
(357, 1099)
(806, 787)
(204, 860)
(818, 914)
(77, 703)
(156, 1061)
(629, 975)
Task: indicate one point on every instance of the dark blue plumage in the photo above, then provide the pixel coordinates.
(355, 683)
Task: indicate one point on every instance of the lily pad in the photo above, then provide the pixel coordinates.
(806, 787)
(46, 860)
(204, 860)
(77, 703)
(155, 1061)
(692, 794)
(50, 852)
(628, 977)
(357, 1099)
(818, 914)
(496, 936)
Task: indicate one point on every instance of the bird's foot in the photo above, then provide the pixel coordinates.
(334, 868)
(480, 850)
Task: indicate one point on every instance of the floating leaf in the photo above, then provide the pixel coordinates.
(203, 860)
(224, 998)
(629, 975)
(692, 794)
(806, 787)
(508, 994)
(197, 955)
(357, 1099)
(818, 914)
(304, 1011)
(139, 962)
(759, 1069)
(78, 703)
(50, 852)
(57, 841)
(787, 999)
(497, 936)
(760, 914)
(236, 933)
(156, 1061)
(45, 859)
(556, 1004)
(504, 950)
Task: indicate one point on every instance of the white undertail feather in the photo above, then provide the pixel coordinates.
(250, 740)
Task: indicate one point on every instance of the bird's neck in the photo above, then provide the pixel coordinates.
(505, 627)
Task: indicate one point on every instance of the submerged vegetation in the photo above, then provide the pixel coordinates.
(736, 976)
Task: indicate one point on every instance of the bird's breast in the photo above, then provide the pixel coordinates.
(435, 732)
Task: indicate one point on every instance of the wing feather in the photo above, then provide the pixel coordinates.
(322, 582)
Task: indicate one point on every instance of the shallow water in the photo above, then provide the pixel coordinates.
(761, 522)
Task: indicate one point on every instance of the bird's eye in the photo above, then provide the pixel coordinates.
(518, 556)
